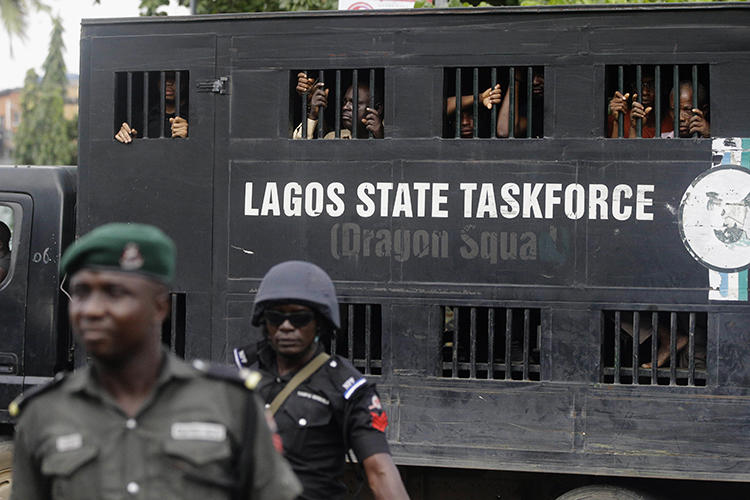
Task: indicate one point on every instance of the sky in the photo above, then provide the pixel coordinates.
(31, 52)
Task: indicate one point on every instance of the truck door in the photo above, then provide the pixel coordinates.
(156, 178)
(15, 232)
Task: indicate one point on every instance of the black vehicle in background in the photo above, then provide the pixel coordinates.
(495, 269)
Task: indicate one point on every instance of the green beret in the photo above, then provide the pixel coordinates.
(136, 248)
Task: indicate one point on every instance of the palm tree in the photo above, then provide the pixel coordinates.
(13, 15)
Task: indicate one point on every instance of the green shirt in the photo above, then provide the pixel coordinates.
(74, 442)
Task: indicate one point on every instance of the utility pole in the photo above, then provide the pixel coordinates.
(193, 5)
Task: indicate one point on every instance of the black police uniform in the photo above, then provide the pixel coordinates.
(335, 409)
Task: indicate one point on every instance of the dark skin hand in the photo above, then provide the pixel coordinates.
(638, 111)
(697, 123)
(318, 98)
(373, 122)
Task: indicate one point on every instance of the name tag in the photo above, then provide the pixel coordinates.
(198, 431)
(69, 442)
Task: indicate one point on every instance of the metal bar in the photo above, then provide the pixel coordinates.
(355, 104)
(372, 95)
(368, 339)
(454, 373)
(512, 110)
(654, 347)
(304, 113)
(473, 343)
(618, 325)
(458, 103)
(691, 350)
(526, 326)
(676, 100)
(319, 125)
(639, 89)
(493, 111)
(491, 343)
(673, 348)
(350, 332)
(129, 113)
(162, 102)
(621, 89)
(529, 93)
(337, 121)
(144, 129)
(695, 90)
(177, 78)
(475, 106)
(657, 101)
(636, 345)
(508, 331)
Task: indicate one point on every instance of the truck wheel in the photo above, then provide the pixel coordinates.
(6, 468)
(603, 492)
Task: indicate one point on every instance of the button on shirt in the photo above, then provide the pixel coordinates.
(315, 419)
(74, 442)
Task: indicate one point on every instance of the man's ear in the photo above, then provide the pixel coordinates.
(162, 303)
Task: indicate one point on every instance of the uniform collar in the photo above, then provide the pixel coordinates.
(267, 357)
(85, 380)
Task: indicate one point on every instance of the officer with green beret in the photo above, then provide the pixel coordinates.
(138, 422)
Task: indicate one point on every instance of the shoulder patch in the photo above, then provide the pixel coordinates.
(345, 376)
(244, 377)
(15, 407)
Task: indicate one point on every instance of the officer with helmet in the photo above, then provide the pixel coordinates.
(323, 406)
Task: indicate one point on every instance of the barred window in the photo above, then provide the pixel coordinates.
(146, 100)
(641, 104)
(349, 96)
(677, 340)
(360, 337)
(491, 343)
(505, 102)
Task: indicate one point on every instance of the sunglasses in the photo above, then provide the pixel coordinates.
(298, 319)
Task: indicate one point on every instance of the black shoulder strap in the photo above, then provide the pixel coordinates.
(15, 407)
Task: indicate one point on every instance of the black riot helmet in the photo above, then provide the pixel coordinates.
(297, 282)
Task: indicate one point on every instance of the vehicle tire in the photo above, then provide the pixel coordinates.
(6, 468)
(604, 492)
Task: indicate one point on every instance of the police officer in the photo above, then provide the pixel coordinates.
(138, 422)
(323, 406)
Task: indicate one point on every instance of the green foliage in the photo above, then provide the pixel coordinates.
(44, 136)
(25, 139)
(425, 4)
(14, 13)
(579, 2)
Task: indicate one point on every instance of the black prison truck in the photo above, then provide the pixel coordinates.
(551, 294)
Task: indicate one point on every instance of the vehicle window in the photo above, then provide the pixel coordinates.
(679, 347)
(335, 99)
(493, 343)
(151, 105)
(504, 102)
(641, 103)
(7, 236)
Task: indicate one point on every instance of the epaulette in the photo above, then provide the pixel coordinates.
(15, 406)
(245, 377)
(245, 357)
(345, 376)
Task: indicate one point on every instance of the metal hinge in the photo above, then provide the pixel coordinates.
(218, 86)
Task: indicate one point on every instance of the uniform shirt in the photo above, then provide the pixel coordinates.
(74, 442)
(335, 403)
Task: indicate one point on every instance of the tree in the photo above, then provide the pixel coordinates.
(44, 134)
(25, 139)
